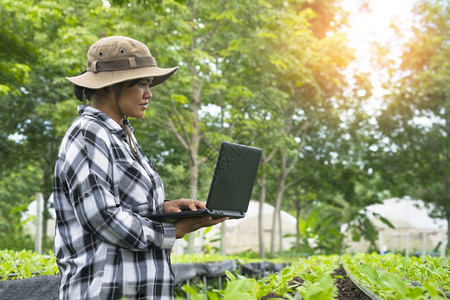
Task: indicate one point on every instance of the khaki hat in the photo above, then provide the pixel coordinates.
(116, 59)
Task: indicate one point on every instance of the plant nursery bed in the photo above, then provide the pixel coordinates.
(346, 288)
(295, 283)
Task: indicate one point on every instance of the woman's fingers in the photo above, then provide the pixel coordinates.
(187, 225)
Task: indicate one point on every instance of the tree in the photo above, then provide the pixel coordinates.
(264, 74)
(206, 43)
(310, 78)
(19, 173)
(18, 52)
(37, 109)
(414, 149)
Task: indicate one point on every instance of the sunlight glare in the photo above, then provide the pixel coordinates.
(373, 24)
(369, 24)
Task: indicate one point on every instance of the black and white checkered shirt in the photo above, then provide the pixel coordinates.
(104, 247)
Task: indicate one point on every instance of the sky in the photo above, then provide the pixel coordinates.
(372, 25)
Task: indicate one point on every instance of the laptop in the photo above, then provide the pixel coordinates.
(231, 185)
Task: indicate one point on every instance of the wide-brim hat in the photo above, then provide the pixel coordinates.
(117, 59)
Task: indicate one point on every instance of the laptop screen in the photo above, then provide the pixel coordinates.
(234, 177)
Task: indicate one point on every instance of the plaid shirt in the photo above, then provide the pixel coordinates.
(105, 248)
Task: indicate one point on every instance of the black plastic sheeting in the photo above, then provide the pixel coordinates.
(35, 288)
(186, 271)
(46, 286)
(261, 269)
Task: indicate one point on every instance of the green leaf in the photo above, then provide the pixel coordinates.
(230, 275)
(370, 272)
(386, 221)
(395, 283)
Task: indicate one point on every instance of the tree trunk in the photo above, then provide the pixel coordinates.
(280, 234)
(193, 154)
(285, 170)
(193, 182)
(447, 181)
(447, 252)
(47, 186)
(276, 213)
(297, 217)
(297, 230)
(275, 218)
(262, 199)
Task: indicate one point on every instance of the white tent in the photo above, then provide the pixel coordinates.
(242, 234)
(415, 230)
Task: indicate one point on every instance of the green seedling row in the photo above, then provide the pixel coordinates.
(425, 269)
(315, 273)
(379, 276)
(395, 277)
(25, 264)
(308, 278)
(387, 276)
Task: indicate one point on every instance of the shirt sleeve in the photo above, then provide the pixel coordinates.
(88, 172)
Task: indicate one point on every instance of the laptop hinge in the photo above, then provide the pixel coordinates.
(219, 213)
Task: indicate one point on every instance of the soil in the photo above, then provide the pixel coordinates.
(347, 290)
(295, 283)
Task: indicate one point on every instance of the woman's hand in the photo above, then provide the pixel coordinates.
(187, 225)
(182, 204)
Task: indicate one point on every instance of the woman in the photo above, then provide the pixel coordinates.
(105, 186)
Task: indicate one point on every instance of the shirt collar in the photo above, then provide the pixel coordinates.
(85, 110)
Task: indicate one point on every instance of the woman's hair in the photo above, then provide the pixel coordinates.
(84, 93)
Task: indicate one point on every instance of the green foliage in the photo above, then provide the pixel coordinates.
(240, 287)
(268, 74)
(18, 51)
(413, 137)
(389, 275)
(320, 289)
(308, 277)
(429, 270)
(314, 271)
(383, 276)
(26, 264)
(318, 233)
(199, 258)
(17, 190)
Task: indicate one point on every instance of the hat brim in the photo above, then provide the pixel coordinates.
(100, 80)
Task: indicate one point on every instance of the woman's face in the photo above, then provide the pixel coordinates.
(134, 99)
